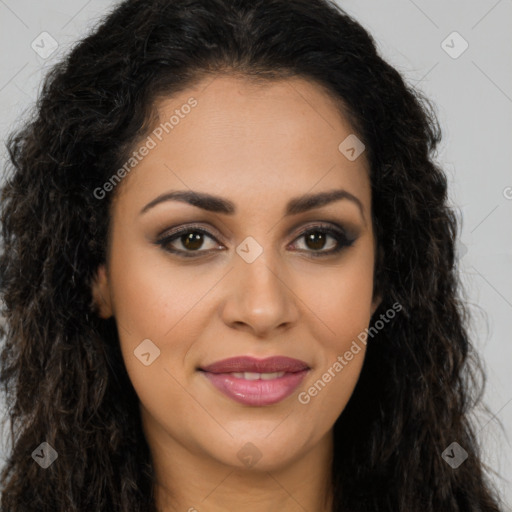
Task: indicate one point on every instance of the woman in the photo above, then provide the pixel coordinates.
(229, 275)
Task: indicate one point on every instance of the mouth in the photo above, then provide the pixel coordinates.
(256, 382)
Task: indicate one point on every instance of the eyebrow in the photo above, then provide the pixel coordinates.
(218, 204)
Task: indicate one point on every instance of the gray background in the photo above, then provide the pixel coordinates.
(473, 94)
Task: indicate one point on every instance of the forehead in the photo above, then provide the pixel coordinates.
(229, 136)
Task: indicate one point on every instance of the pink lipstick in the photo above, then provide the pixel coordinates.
(256, 382)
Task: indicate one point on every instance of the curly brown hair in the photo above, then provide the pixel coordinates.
(61, 366)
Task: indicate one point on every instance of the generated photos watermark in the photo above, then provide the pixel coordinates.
(149, 144)
(343, 360)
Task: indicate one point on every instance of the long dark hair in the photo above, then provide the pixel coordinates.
(61, 365)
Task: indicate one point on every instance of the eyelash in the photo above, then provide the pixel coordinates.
(342, 240)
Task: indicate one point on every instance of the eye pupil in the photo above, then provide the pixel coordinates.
(192, 238)
(317, 238)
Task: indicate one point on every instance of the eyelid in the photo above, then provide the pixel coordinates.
(175, 233)
(338, 226)
(348, 228)
(344, 237)
(326, 225)
(166, 233)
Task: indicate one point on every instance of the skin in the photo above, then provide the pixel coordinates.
(257, 146)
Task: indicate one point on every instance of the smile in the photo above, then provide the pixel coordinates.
(256, 382)
(266, 390)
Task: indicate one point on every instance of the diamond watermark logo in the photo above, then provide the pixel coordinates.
(454, 45)
(44, 455)
(44, 45)
(249, 249)
(146, 352)
(455, 455)
(249, 455)
(351, 147)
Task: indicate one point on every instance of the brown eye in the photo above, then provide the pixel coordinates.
(191, 240)
(316, 239)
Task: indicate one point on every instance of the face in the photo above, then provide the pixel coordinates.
(256, 272)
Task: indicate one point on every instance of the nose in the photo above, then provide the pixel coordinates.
(260, 297)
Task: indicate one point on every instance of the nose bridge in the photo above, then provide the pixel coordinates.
(260, 275)
(259, 295)
(258, 269)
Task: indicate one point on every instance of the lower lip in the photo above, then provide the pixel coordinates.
(256, 392)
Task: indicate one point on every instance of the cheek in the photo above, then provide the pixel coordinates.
(340, 297)
(151, 294)
(150, 302)
(341, 303)
(150, 306)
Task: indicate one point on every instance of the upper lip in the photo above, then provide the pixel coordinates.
(251, 364)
